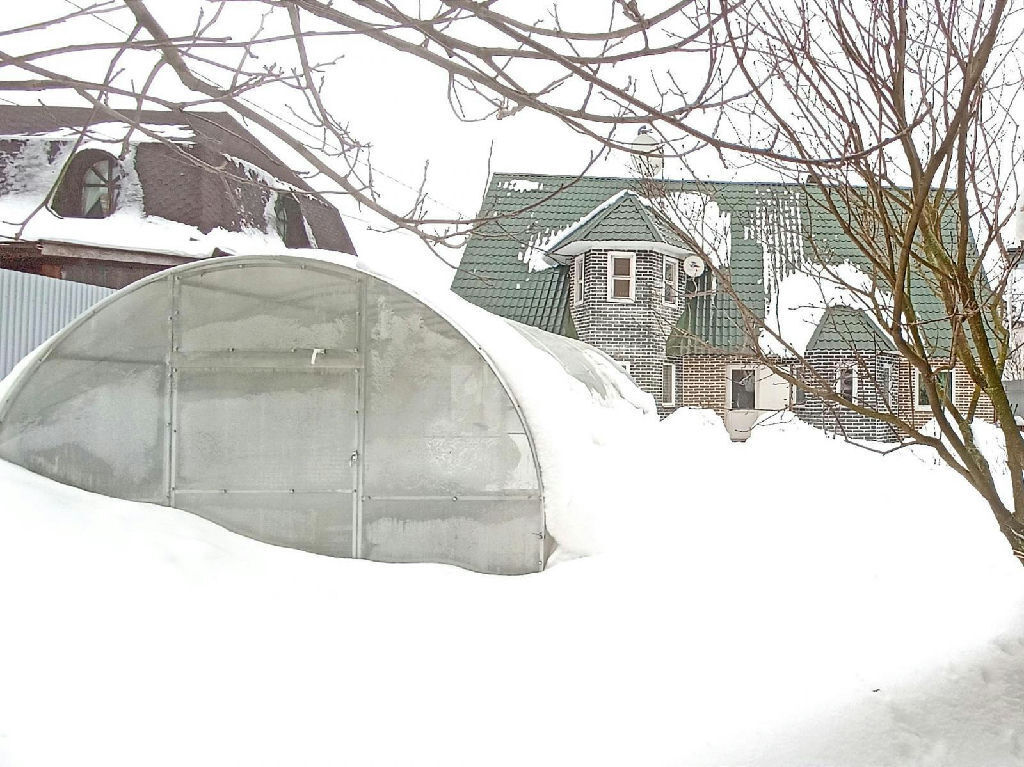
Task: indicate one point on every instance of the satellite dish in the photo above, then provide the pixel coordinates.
(693, 266)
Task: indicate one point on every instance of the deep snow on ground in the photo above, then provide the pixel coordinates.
(789, 601)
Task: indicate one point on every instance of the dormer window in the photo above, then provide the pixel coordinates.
(89, 187)
(289, 223)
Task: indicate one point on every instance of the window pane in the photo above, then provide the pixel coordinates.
(671, 280)
(943, 381)
(799, 396)
(884, 381)
(743, 389)
(845, 382)
(621, 267)
(620, 288)
(97, 186)
(668, 384)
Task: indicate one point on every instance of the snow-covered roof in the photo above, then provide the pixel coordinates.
(189, 184)
(767, 240)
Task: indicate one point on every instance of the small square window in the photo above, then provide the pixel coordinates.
(743, 389)
(621, 276)
(670, 275)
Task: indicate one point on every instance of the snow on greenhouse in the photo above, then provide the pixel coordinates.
(312, 404)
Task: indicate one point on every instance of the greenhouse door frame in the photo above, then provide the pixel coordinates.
(345, 371)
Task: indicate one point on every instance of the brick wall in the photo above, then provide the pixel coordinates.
(704, 379)
(963, 389)
(636, 333)
(871, 390)
(832, 418)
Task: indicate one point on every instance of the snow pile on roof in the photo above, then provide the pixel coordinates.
(105, 134)
(34, 173)
(699, 217)
(534, 252)
(776, 225)
(745, 612)
(128, 229)
(522, 185)
(797, 301)
(31, 174)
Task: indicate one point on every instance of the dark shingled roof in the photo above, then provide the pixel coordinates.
(778, 225)
(218, 135)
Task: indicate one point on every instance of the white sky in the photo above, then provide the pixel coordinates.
(396, 103)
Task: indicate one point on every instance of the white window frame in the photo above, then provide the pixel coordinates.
(671, 398)
(855, 389)
(668, 261)
(917, 390)
(612, 255)
(579, 271)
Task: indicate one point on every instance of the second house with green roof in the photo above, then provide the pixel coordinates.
(692, 287)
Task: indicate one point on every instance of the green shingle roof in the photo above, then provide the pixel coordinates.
(842, 328)
(774, 228)
(623, 217)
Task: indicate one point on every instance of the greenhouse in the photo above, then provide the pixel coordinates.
(310, 404)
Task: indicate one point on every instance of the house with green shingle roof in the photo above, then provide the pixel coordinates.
(665, 276)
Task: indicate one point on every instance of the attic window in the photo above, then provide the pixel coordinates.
(289, 223)
(89, 186)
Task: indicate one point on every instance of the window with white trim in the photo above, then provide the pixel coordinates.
(670, 276)
(621, 276)
(668, 384)
(846, 381)
(943, 380)
(578, 291)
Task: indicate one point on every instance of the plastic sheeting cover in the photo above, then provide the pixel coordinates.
(312, 405)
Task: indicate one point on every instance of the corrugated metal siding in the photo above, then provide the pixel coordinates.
(33, 308)
(1015, 393)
